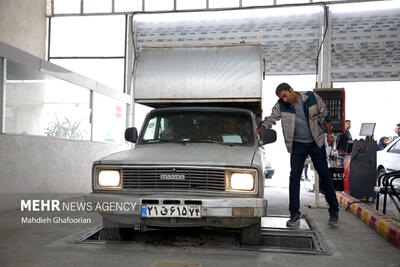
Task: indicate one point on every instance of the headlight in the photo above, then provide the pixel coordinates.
(241, 181)
(109, 178)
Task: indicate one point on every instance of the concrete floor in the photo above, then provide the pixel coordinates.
(353, 243)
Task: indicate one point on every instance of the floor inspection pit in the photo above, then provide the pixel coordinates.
(313, 244)
(276, 237)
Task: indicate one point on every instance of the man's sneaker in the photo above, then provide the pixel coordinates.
(294, 220)
(333, 219)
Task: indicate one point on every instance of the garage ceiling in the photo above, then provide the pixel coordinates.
(365, 45)
(289, 40)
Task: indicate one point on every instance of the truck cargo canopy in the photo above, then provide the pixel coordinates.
(225, 75)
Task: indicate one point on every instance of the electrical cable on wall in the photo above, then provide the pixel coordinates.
(134, 46)
(320, 45)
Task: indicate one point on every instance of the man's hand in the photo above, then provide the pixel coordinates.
(259, 129)
(331, 140)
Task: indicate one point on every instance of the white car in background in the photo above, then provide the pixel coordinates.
(268, 170)
(388, 160)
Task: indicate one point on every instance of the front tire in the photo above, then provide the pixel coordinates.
(251, 235)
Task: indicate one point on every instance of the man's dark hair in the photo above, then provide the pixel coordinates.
(398, 124)
(282, 87)
(348, 121)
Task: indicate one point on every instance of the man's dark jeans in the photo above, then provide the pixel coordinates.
(318, 157)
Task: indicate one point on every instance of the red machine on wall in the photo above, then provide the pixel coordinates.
(334, 99)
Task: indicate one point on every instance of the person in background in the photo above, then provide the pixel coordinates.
(343, 139)
(306, 164)
(397, 131)
(383, 142)
(302, 115)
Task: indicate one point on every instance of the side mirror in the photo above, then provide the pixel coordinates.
(268, 136)
(131, 134)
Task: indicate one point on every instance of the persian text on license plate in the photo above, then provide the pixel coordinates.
(187, 211)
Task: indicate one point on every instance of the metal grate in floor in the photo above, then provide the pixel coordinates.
(279, 222)
(276, 237)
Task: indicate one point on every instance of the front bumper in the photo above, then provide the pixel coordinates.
(215, 211)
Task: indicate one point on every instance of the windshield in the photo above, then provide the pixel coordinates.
(199, 126)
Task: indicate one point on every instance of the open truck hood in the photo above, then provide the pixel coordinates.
(199, 154)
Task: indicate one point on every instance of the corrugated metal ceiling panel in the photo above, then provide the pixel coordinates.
(289, 41)
(366, 46)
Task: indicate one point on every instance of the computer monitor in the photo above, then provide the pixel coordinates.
(367, 129)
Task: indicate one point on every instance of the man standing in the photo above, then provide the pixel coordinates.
(344, 138)
(304, 123)
(397, 131)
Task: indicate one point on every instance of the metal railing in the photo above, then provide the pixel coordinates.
(386, 187)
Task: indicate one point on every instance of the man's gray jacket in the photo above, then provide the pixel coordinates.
(314, 109)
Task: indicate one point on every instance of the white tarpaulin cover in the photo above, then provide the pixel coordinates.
(198, 74)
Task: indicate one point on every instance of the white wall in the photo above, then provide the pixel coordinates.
(33, 164)
(23, 25)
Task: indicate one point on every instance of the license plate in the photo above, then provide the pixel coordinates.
(186, 211)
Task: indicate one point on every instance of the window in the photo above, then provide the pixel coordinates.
(93, 46)
(199, 127)
(67, 6)
(223, 3)
(191, 4)
(257, 2)
(109, 119)
(395, 148)
(151, 129)
(97, 6)
(285, 2)
(99, 36)
(128, 5)
(140, 112)
(39, 104)
(158, 5)
(109, 72)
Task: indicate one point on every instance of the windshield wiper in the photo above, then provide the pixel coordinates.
(157, 141)
(208, 141)
(184, 141)
(200, 141)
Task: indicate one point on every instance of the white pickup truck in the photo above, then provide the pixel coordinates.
(198, 160)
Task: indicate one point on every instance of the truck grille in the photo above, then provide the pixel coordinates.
(194, 179)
